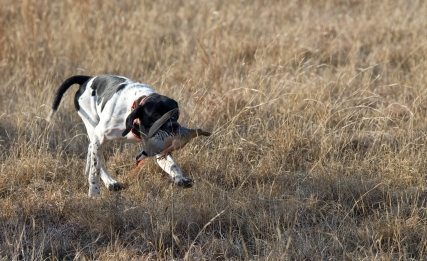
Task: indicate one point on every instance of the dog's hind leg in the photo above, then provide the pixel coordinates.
(88, 159)
(169, 166)
(93, 162)
(90, 127)
(94, 169)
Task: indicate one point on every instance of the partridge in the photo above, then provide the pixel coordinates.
(164, 143)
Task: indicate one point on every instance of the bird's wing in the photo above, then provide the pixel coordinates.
(157, 124)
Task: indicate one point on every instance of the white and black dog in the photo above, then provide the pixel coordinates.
(116, 108)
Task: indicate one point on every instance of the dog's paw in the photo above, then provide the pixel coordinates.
(94, 196)
(184, 182)
(116, 186)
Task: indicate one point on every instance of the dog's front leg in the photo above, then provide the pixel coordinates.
(169, 166)
(94, 169)
(110, 182)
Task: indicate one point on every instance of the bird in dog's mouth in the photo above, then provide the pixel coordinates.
(159, 141)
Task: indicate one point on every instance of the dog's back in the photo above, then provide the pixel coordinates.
(103, 100)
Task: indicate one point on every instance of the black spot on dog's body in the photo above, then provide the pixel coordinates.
(106, 86)
(121, 87)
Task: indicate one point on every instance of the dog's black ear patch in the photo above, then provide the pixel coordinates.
(137, 126)
(129, 122)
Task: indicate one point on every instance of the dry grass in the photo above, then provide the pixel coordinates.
(318, 110)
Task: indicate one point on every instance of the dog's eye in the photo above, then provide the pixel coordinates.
(156, 115)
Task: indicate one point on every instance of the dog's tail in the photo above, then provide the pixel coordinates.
(77, 79)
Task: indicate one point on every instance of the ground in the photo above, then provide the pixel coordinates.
(318, 118)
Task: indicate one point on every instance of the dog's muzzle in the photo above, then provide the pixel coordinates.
(165, 123)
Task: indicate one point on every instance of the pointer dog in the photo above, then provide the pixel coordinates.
(116, 108)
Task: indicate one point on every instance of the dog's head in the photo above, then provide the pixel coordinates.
(153, 108)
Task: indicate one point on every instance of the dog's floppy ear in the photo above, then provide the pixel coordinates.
(129, 123)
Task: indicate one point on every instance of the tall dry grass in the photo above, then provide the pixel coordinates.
(318, 111)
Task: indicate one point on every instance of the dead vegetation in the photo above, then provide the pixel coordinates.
(318, 111)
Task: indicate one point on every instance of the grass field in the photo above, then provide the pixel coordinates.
(318, 111)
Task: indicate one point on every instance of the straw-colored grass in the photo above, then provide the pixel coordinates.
(318, 112)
